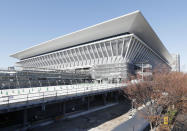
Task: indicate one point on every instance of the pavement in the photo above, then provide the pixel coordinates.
(130, 121)
(92, 120)
(116, 118)
(136, 123)
(112, 124)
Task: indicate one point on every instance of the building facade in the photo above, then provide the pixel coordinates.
(176, 62)
(111, 49)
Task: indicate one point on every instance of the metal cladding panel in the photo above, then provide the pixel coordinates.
(143, 30)
(132, 23)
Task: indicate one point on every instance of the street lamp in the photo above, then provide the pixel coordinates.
(143, 62)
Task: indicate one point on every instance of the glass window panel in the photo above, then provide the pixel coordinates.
(66, 57)
(120, 44)
(59, 57)
(108, 48)
(86, 52)
(69, 55)
(62, 58)
(82, 53)
(103, 49)
(113, 43)
(78, 54)
(94, 50)
(90, 51)
(54, 59)
(74, 55)
(99, 50)
(126, 43)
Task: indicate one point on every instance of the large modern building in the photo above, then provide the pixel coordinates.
(108, 50)
(175, 64)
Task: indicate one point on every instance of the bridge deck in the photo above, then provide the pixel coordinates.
(28, 96)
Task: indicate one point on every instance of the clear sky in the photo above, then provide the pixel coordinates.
(25, 23)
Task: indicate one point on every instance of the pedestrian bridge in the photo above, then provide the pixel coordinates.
(33, 95)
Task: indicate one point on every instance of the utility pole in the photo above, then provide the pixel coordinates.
(142, 71)
(142, 67)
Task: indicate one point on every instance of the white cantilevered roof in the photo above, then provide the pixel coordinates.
(133, 23)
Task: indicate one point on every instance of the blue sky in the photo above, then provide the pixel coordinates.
(25, 23)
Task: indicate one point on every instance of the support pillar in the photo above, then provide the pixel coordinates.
(88, 103)
(60, 107)
(43, 107)
(104, 99)
(25, 117)
(116, 97)
(64, 108)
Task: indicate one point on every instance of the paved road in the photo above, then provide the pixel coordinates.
(137, 123)
(89, 121)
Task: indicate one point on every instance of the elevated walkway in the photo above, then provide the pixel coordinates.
(12, 99)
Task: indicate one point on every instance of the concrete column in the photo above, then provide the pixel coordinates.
(25, 117)
(43, 107)
(104, 99)
(112, 94)
(116, 96)
(60, 107)
(88, 103)
(64, 108)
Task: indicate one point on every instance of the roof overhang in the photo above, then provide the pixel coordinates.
(133, 23)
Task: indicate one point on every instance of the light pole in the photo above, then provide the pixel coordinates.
(142, 71)
(142, 67)
(133, 101)
(132, 107)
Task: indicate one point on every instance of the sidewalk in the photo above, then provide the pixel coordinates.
(89, 121)
(112, 124)
(126, 122)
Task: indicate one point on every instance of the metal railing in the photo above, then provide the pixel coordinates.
(43, 94)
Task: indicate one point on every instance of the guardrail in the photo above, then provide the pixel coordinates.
(43, 94)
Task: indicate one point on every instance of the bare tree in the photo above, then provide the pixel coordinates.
(143, 94)
(173, 87)
(166, 94)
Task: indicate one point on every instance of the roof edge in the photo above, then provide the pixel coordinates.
(43, 43)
